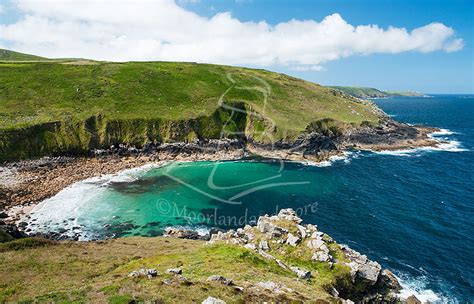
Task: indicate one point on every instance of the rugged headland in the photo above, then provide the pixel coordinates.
(278, 260)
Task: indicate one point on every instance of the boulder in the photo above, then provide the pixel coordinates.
(219, 279)
(251, 246)
(211, 300)
(302, 231)
(321, 256)
(183, 234)
(263, 245)
(144, 272)
(361, 266)
(275, 288)
(289, 215)
(265, 225)
(389, 280)
(293, 240)
(174, 271)
(413, 300)
(315, 244)
(301, 273)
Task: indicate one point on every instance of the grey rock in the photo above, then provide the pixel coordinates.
(219, 279)
(212, 300)
(301, 273)
(144, 272)
(276, 288)
(293, 240)
(251, 246)
(290, 215)
(174, 271)
(265, 225)
(361, 267)
(302, 231)
(263, 245)
(315, 244)
(321, 256)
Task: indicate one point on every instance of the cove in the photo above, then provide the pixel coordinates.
(410, 210)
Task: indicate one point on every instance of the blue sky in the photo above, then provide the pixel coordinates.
(436, 71)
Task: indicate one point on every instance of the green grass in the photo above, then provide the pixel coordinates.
(6, 55)
(84, 272)
(32, 93)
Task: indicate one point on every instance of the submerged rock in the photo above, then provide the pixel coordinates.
(184, 234)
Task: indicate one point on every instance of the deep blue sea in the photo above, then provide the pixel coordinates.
(412, 211)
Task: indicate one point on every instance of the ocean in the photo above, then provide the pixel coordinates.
(410, 210)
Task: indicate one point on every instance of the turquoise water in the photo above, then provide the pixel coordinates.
(410, 210)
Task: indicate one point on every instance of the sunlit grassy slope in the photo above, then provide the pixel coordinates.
(97, 272)
(39, 92)
(6, 55)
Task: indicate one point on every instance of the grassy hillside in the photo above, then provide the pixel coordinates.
(361, 92)
(85, 272)
(52, 107)
(6, 55)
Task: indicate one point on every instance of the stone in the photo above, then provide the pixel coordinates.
(413, 300)
(302, 231)
(301, 273)
(251, 246)
(289, 215)
(361, 267)
(219, 279)
(182, 233)
(274, 287)
(321, 256)
(293, 240)
(263, 245)
(315, 244)
(265, 225)
(174, 271)
(390, 280)
(212, 300)
(317, 235)
(149, 273)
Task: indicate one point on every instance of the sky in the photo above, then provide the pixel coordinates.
(424, 46)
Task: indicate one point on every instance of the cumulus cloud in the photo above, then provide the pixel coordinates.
(162, 30)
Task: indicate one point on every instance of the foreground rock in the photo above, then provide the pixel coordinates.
(275, 235)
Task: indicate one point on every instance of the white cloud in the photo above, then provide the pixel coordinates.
(162, 30)
(305, 68)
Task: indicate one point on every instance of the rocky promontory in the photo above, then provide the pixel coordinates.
(280, 259)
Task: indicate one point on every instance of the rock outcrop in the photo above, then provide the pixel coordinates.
(272, 233)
